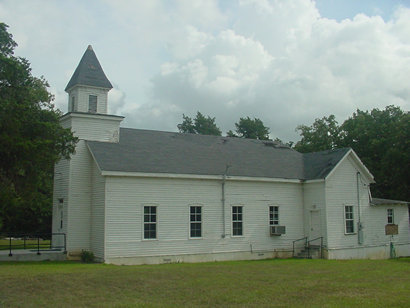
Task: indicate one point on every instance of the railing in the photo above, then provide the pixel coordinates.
(305, 239)
(34, 242)
(320, 248)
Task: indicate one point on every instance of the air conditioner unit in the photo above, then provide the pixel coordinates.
(277, 230)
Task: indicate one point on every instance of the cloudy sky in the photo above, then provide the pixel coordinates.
(285, 62)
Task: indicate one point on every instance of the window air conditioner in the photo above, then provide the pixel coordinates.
(277, 230)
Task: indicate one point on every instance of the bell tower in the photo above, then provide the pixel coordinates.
(87, 102)
(73, 203)
(88, 87)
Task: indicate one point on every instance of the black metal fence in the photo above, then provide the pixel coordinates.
(33, 242)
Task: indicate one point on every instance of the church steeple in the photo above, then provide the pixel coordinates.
(88, 120)
(89, 72)
(88, 87)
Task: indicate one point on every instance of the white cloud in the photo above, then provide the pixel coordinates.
(276, 60)
(286, 65)
(188, 43)
(204, 14)
(116, 99)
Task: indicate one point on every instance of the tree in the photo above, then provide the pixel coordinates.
(381, 138)
(323, 134)
(31, 142)
(252, 129)
(187, 126)
(201, 125)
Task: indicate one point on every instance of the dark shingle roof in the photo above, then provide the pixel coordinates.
(319, 164)
(89, 72)
(167, 152)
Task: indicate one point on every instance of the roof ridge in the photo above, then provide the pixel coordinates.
(212, 136)
(327, 151)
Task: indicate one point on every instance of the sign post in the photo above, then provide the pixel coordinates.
(392, 230)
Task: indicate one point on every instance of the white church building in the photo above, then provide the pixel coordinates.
(134, 196)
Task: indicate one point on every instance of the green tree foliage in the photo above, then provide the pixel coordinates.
(250, 128)
(31, 142)
(322, 135)
(201, 125)
(381, 138)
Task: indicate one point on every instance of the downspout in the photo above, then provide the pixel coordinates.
(305, 225)
(223, 202)
(359, 223)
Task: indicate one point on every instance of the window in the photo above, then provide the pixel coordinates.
(349, 221)
(274, 215)
(390, 216)
(237, 221)
(150, 222)
(73, 103)
(195, 221)
(92, 103)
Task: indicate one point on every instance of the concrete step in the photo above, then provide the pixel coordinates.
(312, 253)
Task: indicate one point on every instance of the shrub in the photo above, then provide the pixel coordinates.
(87, 256)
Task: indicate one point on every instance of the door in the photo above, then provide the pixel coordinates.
(314, 231)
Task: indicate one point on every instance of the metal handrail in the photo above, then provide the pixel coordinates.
(301, 239)
(38, 247)
(321, 246)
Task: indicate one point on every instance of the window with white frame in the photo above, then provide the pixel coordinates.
(150, 222)
(273, 215)
(237, 220)
(349, 220)
(390, 216)
(92, 103)
(195, 214)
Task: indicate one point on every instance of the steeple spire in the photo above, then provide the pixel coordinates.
(88, 87)
(89, 72)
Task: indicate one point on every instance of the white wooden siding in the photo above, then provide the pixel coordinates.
(341, 191)
(82, 94)
(126, 197)
(61, 188)
(96, 128)
(376, 220)
(376, 243)
(256, 197)
(97, 212)
(75, 181)
(314, 200)
(60, 191)
(79, 199)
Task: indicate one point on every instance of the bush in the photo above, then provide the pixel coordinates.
(87, 256)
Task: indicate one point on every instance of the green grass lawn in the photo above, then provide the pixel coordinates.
(295, 283)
